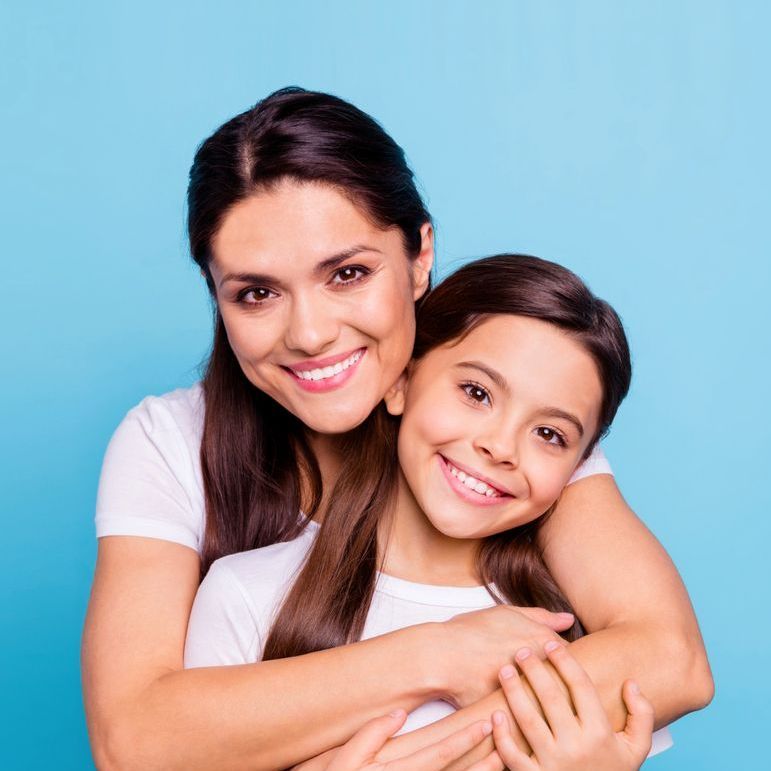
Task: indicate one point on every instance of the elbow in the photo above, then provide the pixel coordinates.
(693, 674)
(120, 746)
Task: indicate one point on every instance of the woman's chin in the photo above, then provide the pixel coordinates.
(336, 421)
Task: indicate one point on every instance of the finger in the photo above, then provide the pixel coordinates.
(638, 731)
(514, 758)
(582, 690)
(492, 762)
(555, 704)
(437, 756)
(529, 719)
(365, 743)
(559, 622)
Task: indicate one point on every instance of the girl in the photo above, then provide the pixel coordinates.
(518, 370)
(305, 221)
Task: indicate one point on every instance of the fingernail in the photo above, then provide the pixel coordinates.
(522, 654)
(487, 729)
(551, 646)
(566, 614)
(633, 687)
(397, 713)
(507, 672)
(498, 717)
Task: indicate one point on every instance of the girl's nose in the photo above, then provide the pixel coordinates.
(311, 328)
(499, 446)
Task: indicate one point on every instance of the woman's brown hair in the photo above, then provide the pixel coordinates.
(328, 603)
(254, 453)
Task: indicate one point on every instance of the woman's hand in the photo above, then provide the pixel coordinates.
(479, 643)
(359, 752)
(560, 739)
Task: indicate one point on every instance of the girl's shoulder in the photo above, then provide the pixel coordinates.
(151, 483)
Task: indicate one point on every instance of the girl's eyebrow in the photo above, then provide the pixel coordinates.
(502, 383)
(323, 267)
(493, 374)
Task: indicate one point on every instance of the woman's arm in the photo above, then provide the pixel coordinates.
(145, 712)
(632, 602)
(631, 599)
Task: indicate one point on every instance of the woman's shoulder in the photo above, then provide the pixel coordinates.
(182, 410)
(151, 483)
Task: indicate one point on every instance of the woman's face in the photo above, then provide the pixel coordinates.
(494, 425)
(317, 301)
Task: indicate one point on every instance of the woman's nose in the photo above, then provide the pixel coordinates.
(311, 327)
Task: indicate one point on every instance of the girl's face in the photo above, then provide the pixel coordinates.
(494, 425)
(317, 301)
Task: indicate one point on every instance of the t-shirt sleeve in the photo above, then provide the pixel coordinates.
(596, 463)
(147, 486)
(222, 629)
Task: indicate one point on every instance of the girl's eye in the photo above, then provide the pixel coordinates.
(349, 274)
(255, 296)
(550, 436)
(476, 393)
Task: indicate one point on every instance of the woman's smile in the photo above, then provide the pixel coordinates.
(326, 374)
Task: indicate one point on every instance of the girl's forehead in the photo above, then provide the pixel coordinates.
(529, 357)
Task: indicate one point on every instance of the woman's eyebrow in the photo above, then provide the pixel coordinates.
(340, 257)
(323, 267)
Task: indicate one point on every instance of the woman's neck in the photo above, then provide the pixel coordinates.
(416, 551)
(326, 449)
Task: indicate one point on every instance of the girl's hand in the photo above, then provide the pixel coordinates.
(358, 753)
(477, 644)
(560, 739)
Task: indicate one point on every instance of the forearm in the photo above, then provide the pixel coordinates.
(267, 715)
(655, 658)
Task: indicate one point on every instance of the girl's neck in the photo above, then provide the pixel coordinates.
(416, 551)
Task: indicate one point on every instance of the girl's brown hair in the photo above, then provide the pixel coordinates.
(328, 604)
(254, 453)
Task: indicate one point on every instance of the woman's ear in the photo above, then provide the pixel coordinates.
(394, 398)
(422, 264)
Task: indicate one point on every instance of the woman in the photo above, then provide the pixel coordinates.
(304, 202)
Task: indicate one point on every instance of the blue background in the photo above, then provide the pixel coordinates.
(627, 140)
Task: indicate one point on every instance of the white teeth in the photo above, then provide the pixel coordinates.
(336, 369)
(477, 485)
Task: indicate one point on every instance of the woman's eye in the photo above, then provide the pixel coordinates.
(476, 393)
(255, 295)
(550, 436)
(349, 274)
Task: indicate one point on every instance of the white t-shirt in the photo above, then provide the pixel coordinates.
(238, 600)
(151, 483)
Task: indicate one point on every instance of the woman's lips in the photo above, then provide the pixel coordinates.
(481, 494)
(327, 374)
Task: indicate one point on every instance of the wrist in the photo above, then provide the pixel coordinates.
(426, 650)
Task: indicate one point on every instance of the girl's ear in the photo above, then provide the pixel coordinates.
(422, 264)
(394, 398)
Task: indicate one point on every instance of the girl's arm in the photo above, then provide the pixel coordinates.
(145, 712)
(632, 602)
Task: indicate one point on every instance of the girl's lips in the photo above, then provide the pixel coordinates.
(466, 493)
(332, 381)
